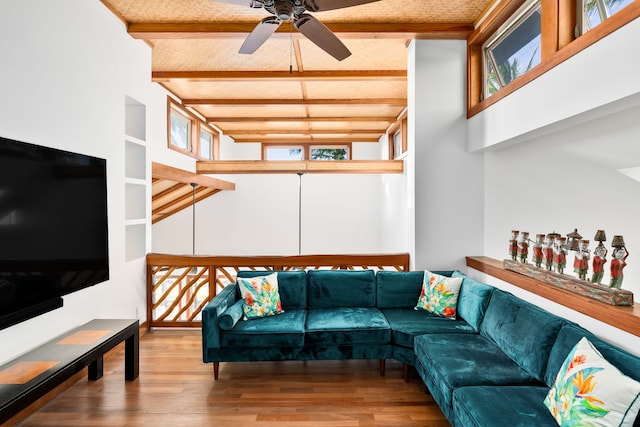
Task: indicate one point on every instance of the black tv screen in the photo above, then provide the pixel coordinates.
(53, 227)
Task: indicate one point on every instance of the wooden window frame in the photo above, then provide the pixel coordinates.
(306, 148)
(197, 124)
(401, 125)
(559, 43)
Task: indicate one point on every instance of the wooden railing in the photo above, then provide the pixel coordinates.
(178, 287)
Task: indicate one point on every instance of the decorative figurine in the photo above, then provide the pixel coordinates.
(581, 260)
(547, 252)
(573, 240)
(599, 260)
(523, 246)
(559, 254)
(513, 245)
(618, 263)
(537, 250)
(599, 257)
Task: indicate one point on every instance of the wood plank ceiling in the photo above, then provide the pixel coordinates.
(255, 98)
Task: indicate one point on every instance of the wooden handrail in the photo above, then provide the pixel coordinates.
(179, 286)
(626, 318)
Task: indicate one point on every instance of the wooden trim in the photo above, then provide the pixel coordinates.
(379, 30)
(549, 25)
(608, 26)
(278, 132)
(303, 76)
(386, 119)
(304, 166)
(230, 102)
(326, 140)
(372, 260)
(158, 170)
(622, 317)
(567, 19)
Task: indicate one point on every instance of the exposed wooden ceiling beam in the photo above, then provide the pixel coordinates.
(331, 75)
(270, 132)
(229, 102)
(277, 139)
(386, 119)
(303, 166)
(158, 170)
(212, 30)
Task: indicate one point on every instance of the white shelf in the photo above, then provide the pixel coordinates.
(135, 181)
(135, 160)
(136, 200)
(136, 241)
(134, 140)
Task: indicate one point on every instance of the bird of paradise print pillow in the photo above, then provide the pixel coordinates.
(260, 296)
(591, 392)
(439, 294)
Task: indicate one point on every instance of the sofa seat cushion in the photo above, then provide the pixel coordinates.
(346, 326)
(407, 323)
(286, 330)
(513, 406)
(450, 361)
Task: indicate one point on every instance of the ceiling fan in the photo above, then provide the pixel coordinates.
(296, 10)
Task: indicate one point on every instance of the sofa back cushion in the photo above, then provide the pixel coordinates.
(398, 289)
(341, 288)
(292, 286)
(473, 300)
(570, 334)
(523, 331)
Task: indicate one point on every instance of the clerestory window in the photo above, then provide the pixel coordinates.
(514, 49)
(593, 12)
(306, 152)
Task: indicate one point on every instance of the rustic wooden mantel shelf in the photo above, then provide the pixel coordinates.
(626, 318)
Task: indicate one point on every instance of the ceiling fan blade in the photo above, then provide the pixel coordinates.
(260, 34)
(322, 5)
(322, 36)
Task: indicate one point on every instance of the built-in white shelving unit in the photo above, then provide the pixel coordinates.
(135, 179)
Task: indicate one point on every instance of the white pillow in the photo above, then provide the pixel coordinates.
(589, 391)
(439, 294)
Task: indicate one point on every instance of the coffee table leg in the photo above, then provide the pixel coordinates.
(96, 369)
(131, 355)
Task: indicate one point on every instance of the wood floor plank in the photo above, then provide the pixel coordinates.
(176, 389)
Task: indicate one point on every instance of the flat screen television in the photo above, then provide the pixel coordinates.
(53, 227)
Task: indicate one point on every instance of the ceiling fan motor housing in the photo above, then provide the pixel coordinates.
(285, 9)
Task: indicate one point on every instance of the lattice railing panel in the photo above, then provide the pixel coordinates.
(179, 287)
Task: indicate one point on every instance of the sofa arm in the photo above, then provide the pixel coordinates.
(210, 318)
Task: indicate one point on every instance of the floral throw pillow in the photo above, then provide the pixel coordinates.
(260, 296)
(589, 391)
(439, 294)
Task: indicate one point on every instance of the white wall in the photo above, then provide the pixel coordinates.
(448, 180)
(66, 68)
(340, 213)
(553, 151)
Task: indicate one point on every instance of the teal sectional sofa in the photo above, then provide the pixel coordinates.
(491, 366)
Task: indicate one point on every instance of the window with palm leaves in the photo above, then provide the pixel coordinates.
(306, 152)
(593, 12)
(514, 49)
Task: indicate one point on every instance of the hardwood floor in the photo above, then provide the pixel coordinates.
(176, 389)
